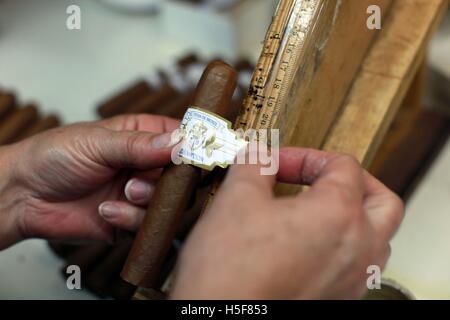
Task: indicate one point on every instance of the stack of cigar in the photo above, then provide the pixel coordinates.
(168, 92)
(18, 121)
(214, 4)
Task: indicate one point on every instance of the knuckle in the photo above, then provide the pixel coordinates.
(348, 159)
(131, 147)
(397, 210)
(340, 194)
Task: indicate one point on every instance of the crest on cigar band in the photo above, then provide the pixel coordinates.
(199, 137)
(209, 140)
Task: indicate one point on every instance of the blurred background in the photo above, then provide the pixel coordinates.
(123, 44)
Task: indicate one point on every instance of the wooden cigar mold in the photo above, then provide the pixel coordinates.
(175, 188)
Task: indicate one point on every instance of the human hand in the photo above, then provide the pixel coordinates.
(54, 183)
(316, 245)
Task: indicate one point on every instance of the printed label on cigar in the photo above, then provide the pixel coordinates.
(208, 140)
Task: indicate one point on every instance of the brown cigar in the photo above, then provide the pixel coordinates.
(47, 123)
(7, 104)
(86, 257)
(187, 60)
(61, 248)
(177, 107)
(175, 188)
(244, 64)
(14, 125)
(120, 290)
(153, 101)
(109, 267)
(119, 103)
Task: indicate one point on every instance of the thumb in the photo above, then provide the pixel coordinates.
(250, 177)
(136, 149)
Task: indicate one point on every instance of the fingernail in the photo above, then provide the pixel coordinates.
(167, 140)
(108, 210)
(137, 190)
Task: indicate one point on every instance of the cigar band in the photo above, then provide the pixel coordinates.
(208, 140)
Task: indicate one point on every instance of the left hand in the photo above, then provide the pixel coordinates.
(54, 184)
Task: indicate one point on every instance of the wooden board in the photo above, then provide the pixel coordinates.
(332, 55)
(385, 77)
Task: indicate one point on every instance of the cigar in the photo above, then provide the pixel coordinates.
(175, 188)
(177, 107)
(153, 101)
(120, 290)
(244, 64)
(47, 123)
(192, 214)
(7, 104)
(109, 267)
(16, 123)
(119, 103)
(149, 294)
(62, 249)
(187, 60)
(86, 257)
(235, 107)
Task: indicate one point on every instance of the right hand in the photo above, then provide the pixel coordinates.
(316, 245)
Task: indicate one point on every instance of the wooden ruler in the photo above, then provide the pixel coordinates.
(276, 67)
(278, 63)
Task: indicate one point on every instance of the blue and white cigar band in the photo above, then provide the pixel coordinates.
(209, 140)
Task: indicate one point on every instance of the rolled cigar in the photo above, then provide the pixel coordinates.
(120, 289)
(86, 257)
(187, 60)
(244, 64)
(175, 188)
(16, 123)
(7, 104)
(177, 107)
(62, 249)
(47, 123)
(108, 268)
(119, 103)
(149, 294)
(192, 214)
(234, 109)
(152, 102)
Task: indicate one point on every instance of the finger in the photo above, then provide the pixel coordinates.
(385, 255)
(301, 166)
(122, 214)
(383, 207)
(134, 149)
(249, 179)
(151, 176)
(139, 191)
(141, 122)
(329, 174)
